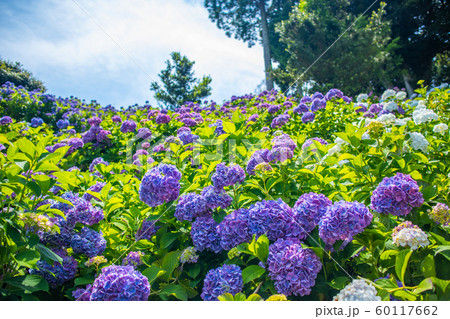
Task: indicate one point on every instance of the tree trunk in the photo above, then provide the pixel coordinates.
(266, 45)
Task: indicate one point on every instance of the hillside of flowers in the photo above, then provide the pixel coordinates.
(263, 197)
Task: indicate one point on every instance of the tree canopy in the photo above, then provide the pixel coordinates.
(15, 73)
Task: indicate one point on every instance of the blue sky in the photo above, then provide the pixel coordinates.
(62, 46)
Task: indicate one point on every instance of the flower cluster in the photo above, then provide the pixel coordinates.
(58, 273)
(204, 234)
(128, 126)
(292, 268)
(309, 209)
(189, 206)
(407, 234)
(225, 279)
(233, 229)
(440, 214)
(440, 128)
(310, 141)
(419, 142)
(36, 121)
(119, 283)
(216, 198)
(96, 188)
(280, 120)
(342, 221)
(88, 242)
(159, 185)
(95, 162)
(421, 116)
(189, 256)
(162, 119)
(227, 176)
(134, 258)
(5, 120)
(38, 224)
(260, 156)
(396, 195)
(357, 290)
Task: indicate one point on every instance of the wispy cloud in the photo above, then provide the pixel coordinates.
(62, 46)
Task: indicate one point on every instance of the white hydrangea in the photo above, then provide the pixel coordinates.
(387, 94)
(340, 141)
(424, 115)
(412, 237)
(418, 141)
(334, 150)
(358, 290)
(402, 122)
(362, 97)
(401, 95)
(386, 118)
(440, 128)
(421, 105)
(391, 106)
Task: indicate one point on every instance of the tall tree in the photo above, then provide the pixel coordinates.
(360, 60)
(180, 85)
(250, 21)
(15, 73)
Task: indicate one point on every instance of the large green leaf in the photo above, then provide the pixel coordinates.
(29, 283)
(28, 258)
(427, 266)
(401, 263)
(252, 272)
(170, 262)
(175, 290)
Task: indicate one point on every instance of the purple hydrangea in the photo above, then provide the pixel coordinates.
(342, 221)
(96, 188)
(309, 142)
(318, 104)
(134, 259)
(309, 209)
(5, 120)
(280, 154)
(74, 143)
(273, 109)
(59, 273)
(216, 197)
(36, 121)
(62, 124)
(140, 152)
(396, 195)
(116, 119)
(260, 156)
(227, 176)
(283, 140)
(253, 118)
(273, 218)
(144, 133)
(128, 126)
(292, 268)
(204, 234)
(94, 121)
(301, 108)
(147, 230)
(334, 93)
(162, 119)
(120, 283)
(234, 230)
(103, 136)
(280, 120)
(189, 206)
(160, 184)
(88, 242)
(95, 162)
(308, 117)
(225, 279)
(81, 294)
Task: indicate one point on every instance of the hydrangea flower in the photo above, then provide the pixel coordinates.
(440, 214)
(144, 133)
(225, 279)
(283, 141)
(233, 229)
(189, 206)
(116, 119)
(333, 93)
(97, 261)
(310, 142)
(280, 120)
(441, 128)
(159, 185)
(396, 195)
(94, 121)
(147, 230)
(421, 116)
(301, 108)
(260, 156)
(309, 209)
(292, 268)
(273, 218)
(419, 142)
(204, 234)
(387, 94)
(227, 176)
(95, 162)
(280, 154)
(5, 120)
(37, 224)
(74, 143)
(128, 126)
(81, 294)
(88, 242)
(342, 221)
(120, 283)
(59, 273)
(308, 117)
(189, 256)
(358, 290)
(407, 234)
(162, 119)
(62, 124)
(216, 198)
(134, 259)
(36, 121)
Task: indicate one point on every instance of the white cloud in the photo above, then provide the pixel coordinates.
(65, 48)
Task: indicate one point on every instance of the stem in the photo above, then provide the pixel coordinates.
(259, 286)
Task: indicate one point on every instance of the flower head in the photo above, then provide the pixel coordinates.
(204, 234)
(88, 242)
(189, 256)
(358, 290)
(234, 230)
(440, 214)
(407, 234)
(159, 185)
(189, 206)
(225, 279)
(309, 209)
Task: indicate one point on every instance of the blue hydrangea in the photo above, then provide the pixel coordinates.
(134, 259)
(204, 234)
(308, 117)
(260, 156)
(234, 230)
(36, 121)
(216, 198)
(97, 161)
(309, 209)
(189, 206)
(128, 126)
(292, 268)
(120, 283)
(62, 124)
(342, 221)
(396, 195)
(225, 279)
(227, 176)
(160, 185)
(58, 273)
(273, 218)
(88, 242)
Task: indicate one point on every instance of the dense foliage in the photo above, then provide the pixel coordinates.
(262, 197)
(16, 73)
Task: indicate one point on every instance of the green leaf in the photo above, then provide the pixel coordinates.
(401, 263)
(177, 291)
(229, 127)
(167, 239)
(239, 297)
(252, 272)
(47, 253)
(81, 281)
(387, 258)
(444, 250)
(405, 295)
(427, 266)
(254, 297)
(152, 273)
(29, 283)
(238, 117)
(170, 262)
(339, 283)
(226, 297)
(426, 284)
(26, 147)
(28, 258)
